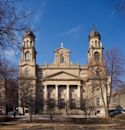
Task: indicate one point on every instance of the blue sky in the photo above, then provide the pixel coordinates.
(70, 22)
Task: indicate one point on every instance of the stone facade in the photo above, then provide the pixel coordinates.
(64, 85)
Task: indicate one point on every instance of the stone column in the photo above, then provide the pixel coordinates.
(56, 96)
(78, 95)
(67, 95)
(56, 90)
(45, 98)
(67, 92)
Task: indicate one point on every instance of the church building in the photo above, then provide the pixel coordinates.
(62, 86)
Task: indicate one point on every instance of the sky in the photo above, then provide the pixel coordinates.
(70, 22)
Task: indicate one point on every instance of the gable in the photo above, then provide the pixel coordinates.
(62, 76)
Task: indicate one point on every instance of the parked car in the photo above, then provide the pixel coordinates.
(12, 113)
(123, 111)
(115, 112)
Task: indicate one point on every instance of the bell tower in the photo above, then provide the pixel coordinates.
(28, 59)
(27, 70)
(95, 51)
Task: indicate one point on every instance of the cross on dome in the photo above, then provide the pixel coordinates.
(62, 45)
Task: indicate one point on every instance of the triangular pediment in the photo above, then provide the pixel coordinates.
(62, 76)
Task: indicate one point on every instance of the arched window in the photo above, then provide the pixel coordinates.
(27, 55)
(61, 58)
(27, 72)
(96, 56)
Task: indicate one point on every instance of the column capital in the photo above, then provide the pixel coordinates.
(56, 85)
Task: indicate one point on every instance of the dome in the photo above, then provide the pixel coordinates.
(94, 34)
(29, 33)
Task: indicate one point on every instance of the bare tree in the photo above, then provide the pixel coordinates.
(8, 74)
(88, 106)
(67, 108)
(12, 23)
(27, 95)
(114, 68)
(22, 95)
(30, 104)
(12, 95)
(50, 107)
(39, 101)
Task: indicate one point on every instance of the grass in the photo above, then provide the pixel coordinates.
(67, 124)
(91, 121)
(59, 127)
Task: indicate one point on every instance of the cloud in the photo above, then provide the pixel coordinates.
(71, 31)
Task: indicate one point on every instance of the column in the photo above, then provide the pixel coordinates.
(78, 95)
(56, 88)
(67, 94)
(45, 98)
(56, 96)
(45, 92)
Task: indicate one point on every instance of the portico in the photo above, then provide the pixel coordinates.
(62, 93)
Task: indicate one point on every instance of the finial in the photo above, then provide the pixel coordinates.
(62, 45)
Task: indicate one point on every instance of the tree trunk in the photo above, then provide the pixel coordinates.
(30, 116)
